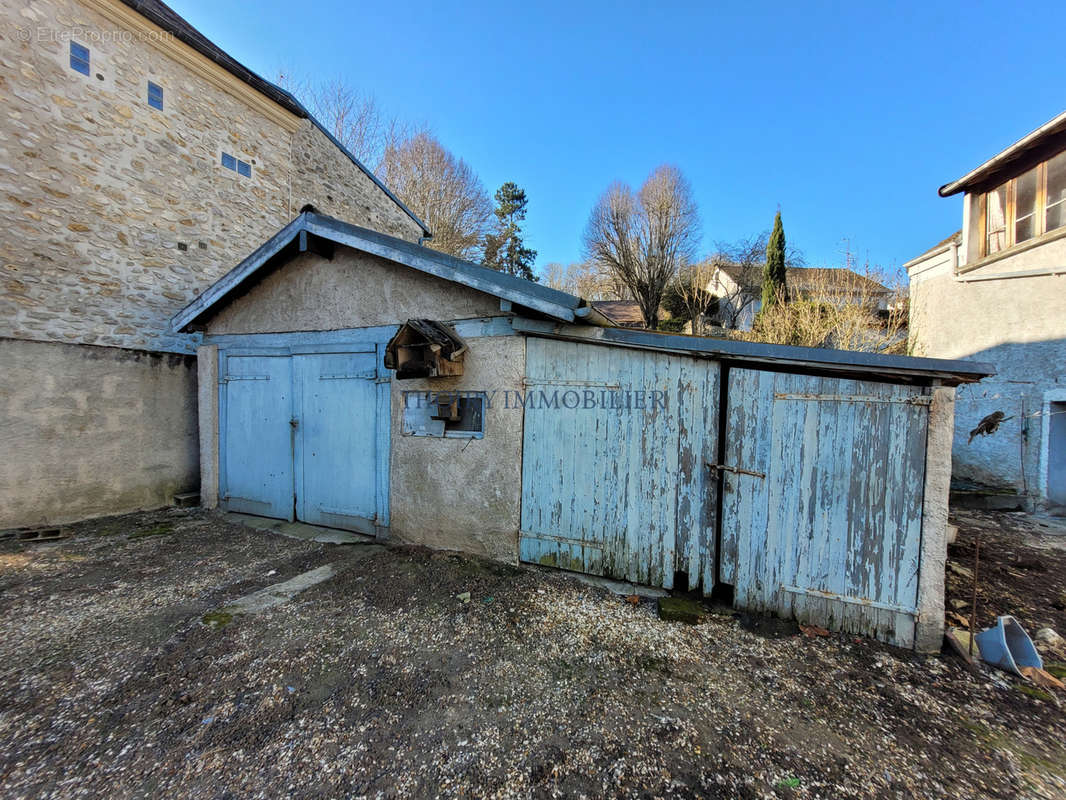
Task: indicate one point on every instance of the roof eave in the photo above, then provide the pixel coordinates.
(1026, 142)
(554, 304)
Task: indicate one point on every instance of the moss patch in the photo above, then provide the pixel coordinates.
(157, 530)
(1032, 691)
(681, 609)
(216, 619)
(1056, 668)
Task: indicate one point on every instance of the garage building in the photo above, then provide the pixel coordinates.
(355, 380)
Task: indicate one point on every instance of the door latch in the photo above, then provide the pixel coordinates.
(294, 423)
(736, 470)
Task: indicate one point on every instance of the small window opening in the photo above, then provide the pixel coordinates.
(454, 415)
(242, 168)
(155, 95)
(183, 245)
(79, 58)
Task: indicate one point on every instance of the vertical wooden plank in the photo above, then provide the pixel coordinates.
(383, 433)
(336, 452)
(257, 459)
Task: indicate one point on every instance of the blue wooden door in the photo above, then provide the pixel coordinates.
(613, 476)
(336, 447)
(256, 457)
(824, 523)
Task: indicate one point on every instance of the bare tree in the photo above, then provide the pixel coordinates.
(583, 279)
(691, 294)
(354, 117)
(441, 189)
(643, 238)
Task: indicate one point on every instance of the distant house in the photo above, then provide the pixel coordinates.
(996, 291)
(738, 289)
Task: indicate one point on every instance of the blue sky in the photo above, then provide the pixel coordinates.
(846, 115)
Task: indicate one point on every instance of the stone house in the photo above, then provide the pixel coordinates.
(138, 163)
(996, 291)
(739, 289)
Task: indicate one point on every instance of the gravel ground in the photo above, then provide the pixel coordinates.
(380, 682)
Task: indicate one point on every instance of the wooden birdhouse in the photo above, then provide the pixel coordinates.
(425, 348)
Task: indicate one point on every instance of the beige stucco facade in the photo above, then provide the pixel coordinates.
(448, 493)
(117, 214)
(1009, 310)
(87, 431)
(351, 290)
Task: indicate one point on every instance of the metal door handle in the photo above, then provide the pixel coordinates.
(737, 470)
(294, 422)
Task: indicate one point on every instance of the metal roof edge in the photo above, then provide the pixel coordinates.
(218, 290)
(955, 371)
(551, 302)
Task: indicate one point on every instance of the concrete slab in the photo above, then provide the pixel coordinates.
(618, 587)
(299, 530)
(279, 593)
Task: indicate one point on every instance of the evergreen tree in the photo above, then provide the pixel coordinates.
(773, 275)
(504, 249)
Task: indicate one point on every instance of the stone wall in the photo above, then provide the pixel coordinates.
(87, 431)
(330, 181)
(99, 189)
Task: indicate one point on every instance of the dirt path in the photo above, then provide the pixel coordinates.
(380, 682)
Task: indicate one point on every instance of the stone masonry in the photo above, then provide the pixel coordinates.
(118, 214)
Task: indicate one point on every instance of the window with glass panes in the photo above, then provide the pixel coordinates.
(1027, 206)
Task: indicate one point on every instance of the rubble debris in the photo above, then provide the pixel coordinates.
(1049, 637)
(1042, 678)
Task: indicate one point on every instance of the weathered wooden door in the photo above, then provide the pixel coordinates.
(613, 476)
(825, 521)
(301, 438)
(257, 436)
(336, 452)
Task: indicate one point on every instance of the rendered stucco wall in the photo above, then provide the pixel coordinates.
(97, 190)
(1017, 324)
(88, 431)
(207, 413)
(353, 290)
(929, 629)
(463, 494)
